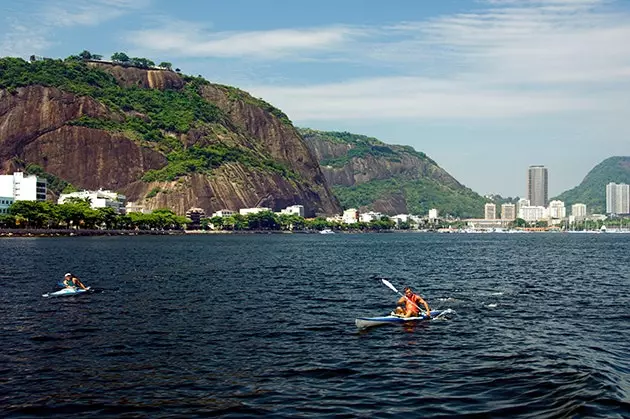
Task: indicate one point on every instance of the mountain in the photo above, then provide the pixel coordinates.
(368, 174)
(163, 139)
(592, 190)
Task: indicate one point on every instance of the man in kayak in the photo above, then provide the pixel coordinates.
(71, 281)
(410, 305)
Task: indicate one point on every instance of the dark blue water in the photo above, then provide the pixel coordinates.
(263, 325)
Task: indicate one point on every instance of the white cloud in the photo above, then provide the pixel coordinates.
(186, 39)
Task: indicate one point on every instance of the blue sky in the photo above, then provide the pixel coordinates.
(484, 87)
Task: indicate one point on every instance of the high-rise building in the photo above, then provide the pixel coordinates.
(557, 209)
(617, 198)
(578, 210)
(537, 186)
(508, 212)
(22, 187)
(490, 211)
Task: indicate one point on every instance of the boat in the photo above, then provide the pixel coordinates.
(326, 231)
(66, 292)
(365, 322)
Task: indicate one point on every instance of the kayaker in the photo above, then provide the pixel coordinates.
(409, 305)
(70, 281)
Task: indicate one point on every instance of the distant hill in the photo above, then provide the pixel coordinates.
(369, 174)
(592, 190)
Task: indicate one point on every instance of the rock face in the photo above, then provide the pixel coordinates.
(407, 181)
(36, 127)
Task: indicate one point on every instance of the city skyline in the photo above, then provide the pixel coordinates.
(468, 82)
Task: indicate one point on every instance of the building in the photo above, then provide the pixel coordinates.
(617, 198)
(294, 210)
(246, 211)
(433, 214)
(367, 217)
(508, 212)
(5, 203)
(557, 209)
(97, 199)
(223, 213)
(21, 187)
(195, 215)
(578, 211)
(135, 207)
(532, 213)
(490, 211)
(537, 186)
(350, 216)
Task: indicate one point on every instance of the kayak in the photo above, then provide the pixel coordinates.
(66, 292)
(365, 322)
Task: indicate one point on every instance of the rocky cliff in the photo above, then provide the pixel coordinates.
(367, 173)
(162, 139)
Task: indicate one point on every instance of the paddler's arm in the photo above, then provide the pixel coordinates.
(426, 306)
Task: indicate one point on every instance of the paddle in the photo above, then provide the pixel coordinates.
(393, 288)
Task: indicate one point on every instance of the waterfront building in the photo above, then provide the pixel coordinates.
(136, 207)
(557, 209)
(533, 213)
(350, 216)
(537, 186)
(367, 217)
(433, 214)
(294, 209)
(578, 211)
(246, 211)
(97, 199)
(195, 215)
(223, 213)
(490, 211)
(5, 203)
(21, 187)
(617, 198)
(508, 212)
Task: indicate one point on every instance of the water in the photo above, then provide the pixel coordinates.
(263, 325)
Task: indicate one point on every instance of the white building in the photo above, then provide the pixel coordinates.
(20, 187)
(508, 212)
(433, 214)
(245, 211)
(557, 209)
(294, 210)
(135, 207)
(490, 211)
(533, 213)
(617, 198)
(350, 216)
(578, 211)
(223, 213)
(98, 199)
(367, 217)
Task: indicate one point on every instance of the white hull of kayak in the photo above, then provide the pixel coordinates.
(66, 292)
(365, 322)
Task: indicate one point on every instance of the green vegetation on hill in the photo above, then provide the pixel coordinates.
(421, 195)
(361, 147)
(592, 190)
(151, 116)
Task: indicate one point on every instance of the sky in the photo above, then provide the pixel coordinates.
(485, 88)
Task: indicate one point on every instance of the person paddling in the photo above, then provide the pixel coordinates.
(71, 281)
(409, 305)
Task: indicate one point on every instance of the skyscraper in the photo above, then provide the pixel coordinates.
(537, 186)
(617, 198)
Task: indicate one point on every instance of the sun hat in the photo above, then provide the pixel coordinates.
(68, 274)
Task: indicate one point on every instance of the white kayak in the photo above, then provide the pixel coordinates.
(66, 292)
(365, 322)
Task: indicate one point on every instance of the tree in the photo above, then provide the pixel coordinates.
(166, 65)
(120, 57)
(85, 55)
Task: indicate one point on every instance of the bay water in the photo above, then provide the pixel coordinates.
(262, 325)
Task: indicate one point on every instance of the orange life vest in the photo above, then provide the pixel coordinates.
(412, 304)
